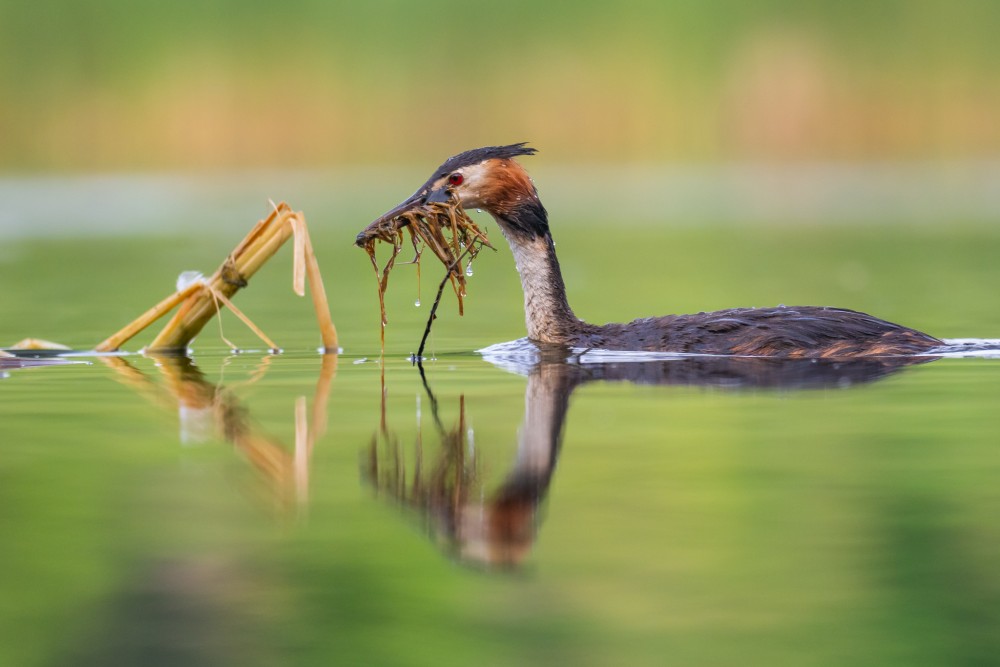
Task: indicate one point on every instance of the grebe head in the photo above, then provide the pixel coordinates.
(485, 178)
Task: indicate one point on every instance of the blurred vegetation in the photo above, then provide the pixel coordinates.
(110, 84)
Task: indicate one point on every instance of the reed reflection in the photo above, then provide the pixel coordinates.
(498, 529)
(208, 411)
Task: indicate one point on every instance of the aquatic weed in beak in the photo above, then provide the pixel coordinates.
(442, 226)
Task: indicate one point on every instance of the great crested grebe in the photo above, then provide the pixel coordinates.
(490, 179)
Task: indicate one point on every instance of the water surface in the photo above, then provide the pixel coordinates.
(253, 509)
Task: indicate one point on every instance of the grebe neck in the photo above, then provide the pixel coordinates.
(547, 314)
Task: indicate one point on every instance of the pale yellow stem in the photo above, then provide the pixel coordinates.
(328, 332)
(259, 246)
(246, 320)
(140, 323)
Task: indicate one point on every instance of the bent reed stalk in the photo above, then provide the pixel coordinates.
(202, 299)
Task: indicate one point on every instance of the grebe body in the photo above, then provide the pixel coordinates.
(794, 332)
(490, 179)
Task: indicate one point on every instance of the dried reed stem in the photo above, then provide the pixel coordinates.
(328, 332)
(140, 323)
(258, 247)
(200, 301)
(36, 344)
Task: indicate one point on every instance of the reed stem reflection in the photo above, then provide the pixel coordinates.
(207, 411)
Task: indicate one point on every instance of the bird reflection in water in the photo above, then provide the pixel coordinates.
(497, 530)
(448, 491)
(208, 411)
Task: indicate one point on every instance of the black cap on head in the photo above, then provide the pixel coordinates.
(477, 155)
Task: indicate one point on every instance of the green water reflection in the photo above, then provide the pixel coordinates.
(249, 510)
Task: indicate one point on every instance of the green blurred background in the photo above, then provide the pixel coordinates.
(118, 85)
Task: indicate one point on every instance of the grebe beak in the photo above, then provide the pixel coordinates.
(416, 200)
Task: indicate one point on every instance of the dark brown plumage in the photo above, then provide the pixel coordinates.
(490, 179)
(800, 331)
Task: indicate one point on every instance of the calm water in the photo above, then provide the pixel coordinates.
(298, 509)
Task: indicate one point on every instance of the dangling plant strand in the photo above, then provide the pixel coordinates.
(443, 227)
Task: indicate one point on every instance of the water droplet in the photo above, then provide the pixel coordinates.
(479, 210)
(468, 270)
(417, 303)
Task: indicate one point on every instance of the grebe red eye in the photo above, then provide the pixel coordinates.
(456, 178)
